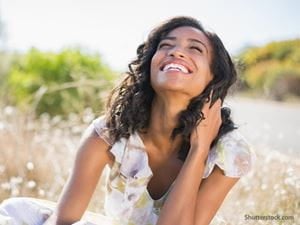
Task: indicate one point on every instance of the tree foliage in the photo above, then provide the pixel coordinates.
(59, 83)
(273, 69)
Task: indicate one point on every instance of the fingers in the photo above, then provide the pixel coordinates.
(208, 127)
(210, 99)
(207, 103)
(208, 106)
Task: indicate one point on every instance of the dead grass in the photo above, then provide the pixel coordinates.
(270, 189)
(37, 155)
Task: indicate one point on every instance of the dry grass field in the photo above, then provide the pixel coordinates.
(36, 156)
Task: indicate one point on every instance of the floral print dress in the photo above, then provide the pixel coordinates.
(127, 200)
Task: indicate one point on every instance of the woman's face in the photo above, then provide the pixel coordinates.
(181, 62)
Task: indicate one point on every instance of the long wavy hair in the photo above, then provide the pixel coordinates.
(129, 105)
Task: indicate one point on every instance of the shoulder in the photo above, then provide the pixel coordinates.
(101, 130)
(94, 141)
(232, 154)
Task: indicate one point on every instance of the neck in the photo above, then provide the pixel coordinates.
(164, 118)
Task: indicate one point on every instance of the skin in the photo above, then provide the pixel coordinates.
(192, 200)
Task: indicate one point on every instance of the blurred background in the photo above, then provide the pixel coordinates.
(60, 59)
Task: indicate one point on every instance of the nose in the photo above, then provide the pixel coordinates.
(176, 52)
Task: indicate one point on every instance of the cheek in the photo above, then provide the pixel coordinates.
(155, 59)
(206, 71)
(208, 78)
(154, 79)
(153, 73)
(204, 78)
(154, 65)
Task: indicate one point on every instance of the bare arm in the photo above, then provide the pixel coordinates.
(91, 158)
(179, 208)
(192, 205)
(193, 201)
(211, 194)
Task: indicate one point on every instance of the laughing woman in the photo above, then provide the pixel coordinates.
(173, 151)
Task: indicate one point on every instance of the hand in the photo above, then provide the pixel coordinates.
(206, 131)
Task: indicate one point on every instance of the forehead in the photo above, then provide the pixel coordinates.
(190, 33)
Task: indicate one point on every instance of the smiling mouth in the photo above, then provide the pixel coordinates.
(175, 67)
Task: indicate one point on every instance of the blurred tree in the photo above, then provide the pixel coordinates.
(59, 83)
(274, 69)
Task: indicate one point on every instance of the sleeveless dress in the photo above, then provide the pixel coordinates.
(127, 200)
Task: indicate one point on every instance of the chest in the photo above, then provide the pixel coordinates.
(165, 172)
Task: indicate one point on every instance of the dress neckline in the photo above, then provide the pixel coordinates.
(143, 147)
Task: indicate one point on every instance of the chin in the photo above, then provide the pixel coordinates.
(169, 87)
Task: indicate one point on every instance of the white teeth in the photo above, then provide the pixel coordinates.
(174, 66)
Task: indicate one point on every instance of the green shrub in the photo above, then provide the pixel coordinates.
(59, 83)
(273, 69)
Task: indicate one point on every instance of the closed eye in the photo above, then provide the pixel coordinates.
(162, 45)
(197, 49)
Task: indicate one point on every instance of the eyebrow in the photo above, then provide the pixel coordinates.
(190, 39)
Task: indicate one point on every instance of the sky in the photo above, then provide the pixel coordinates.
(114, 28)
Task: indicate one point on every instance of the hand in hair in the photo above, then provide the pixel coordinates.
(207, 129)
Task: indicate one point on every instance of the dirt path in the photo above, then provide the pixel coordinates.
(266, 124)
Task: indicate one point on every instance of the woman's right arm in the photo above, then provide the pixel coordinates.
(90, 160)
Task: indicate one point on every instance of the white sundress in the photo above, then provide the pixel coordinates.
(127, 200)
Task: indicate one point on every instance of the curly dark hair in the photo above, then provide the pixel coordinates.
(129, 106)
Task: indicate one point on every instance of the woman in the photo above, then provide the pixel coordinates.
(173, 151)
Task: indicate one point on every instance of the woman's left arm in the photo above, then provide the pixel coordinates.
(193, 200)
